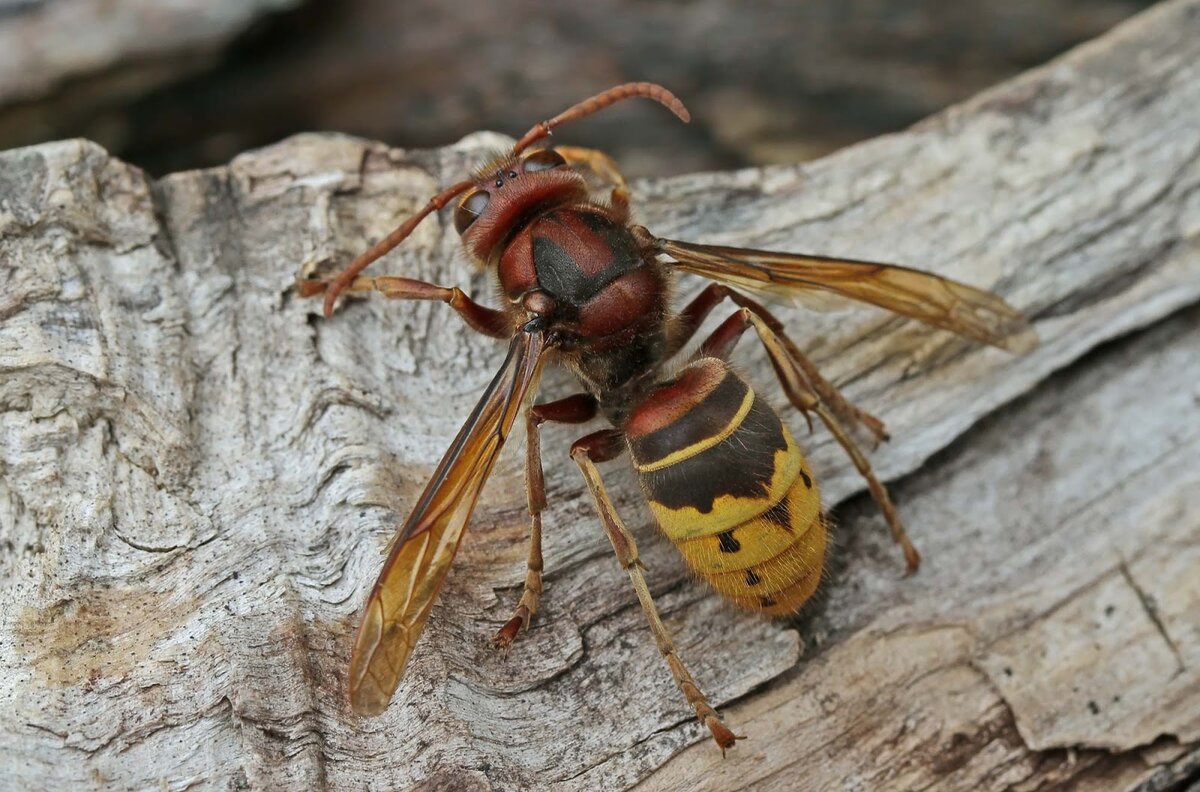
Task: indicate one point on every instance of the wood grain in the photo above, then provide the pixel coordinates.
(197, 474)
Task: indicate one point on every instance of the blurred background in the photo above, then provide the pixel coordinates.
(175, 84)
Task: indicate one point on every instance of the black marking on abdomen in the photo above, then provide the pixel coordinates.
(708, 417)
(728, 543)
(780, 513)
(806, 479)
(752, 578)
(742, 465)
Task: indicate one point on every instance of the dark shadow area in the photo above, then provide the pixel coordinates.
(770, 82)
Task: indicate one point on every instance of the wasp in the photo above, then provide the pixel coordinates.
(585, 287)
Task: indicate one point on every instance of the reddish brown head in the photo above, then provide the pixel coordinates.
(491, 212)
(508, 192)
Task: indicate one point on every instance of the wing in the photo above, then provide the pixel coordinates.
(921, 295)
(426, 544)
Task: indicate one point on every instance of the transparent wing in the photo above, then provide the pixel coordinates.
(426, 544)
(921, 295)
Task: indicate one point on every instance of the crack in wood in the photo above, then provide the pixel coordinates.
(1151, 611)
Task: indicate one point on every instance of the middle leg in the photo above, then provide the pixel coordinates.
(600, 447)
(572, 410)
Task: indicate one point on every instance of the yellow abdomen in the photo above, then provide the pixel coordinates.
(730, 487)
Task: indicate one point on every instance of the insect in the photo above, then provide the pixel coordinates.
(586, 288)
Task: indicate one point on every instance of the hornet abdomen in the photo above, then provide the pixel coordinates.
(730, 487)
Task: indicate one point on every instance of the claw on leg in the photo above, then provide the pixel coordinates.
(504, 637)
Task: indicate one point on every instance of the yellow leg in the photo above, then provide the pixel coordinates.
(838, 404)
(693, 315)
(606, 445)
(603, 171)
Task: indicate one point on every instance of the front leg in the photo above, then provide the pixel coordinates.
(480, 318)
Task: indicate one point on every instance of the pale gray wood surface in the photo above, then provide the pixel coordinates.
(199, 473)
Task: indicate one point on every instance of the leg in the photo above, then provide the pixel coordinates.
(604, 171)
(344, 278)
(807, 399)
(599, 447)
(694, 314)
(482, 319)
(573, 409)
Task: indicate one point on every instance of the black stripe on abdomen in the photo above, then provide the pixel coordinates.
(742, 465)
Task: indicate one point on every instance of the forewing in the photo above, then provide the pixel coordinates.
(426, 544)
(921, 295)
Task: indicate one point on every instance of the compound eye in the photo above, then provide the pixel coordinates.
(469, 209)
(542, 160)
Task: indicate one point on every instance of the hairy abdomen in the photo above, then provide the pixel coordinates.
(730, 488)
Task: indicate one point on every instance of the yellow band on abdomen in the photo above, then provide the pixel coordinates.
(701, 445)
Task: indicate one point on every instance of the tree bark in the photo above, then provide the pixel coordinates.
(199, 474)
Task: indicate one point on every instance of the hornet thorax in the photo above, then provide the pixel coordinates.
(606, 299)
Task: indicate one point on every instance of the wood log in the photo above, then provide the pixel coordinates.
(198, 474)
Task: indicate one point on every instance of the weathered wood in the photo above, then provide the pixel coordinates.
(198, 474)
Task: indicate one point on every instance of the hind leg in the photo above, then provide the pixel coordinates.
(805, 398)
(694, 314)
(599, 447)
